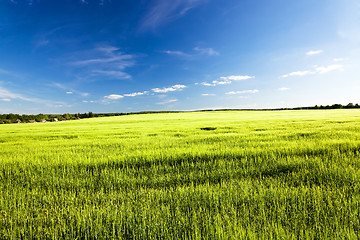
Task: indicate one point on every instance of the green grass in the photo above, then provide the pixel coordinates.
(204, 175)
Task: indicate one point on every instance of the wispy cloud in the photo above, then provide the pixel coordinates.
(283, 89)
(113, 96)
(7, 95)
(314, 52)
(11, 73)
(104, 61)
(206, 51)
(69, 90)
(197, 53)
(177, 53)
(63, 105)
(113, 74)
(227, 80)
(167, 102)
(208, 94)
(173, 88)
(116, 59)
(243, 92)
(162, 12)
(45, 38)
(3, 71)
(5, 100)
(316, 70)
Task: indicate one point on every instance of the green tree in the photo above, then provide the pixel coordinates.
(350, 105)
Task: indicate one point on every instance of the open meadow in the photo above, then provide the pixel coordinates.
(198, 175)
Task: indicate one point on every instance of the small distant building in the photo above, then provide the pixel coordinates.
(55, 120)
(16, 121)
(31, 121)
(42, 120)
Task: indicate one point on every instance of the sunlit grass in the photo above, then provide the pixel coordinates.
(212, 175)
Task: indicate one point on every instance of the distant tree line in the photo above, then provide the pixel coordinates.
(334, 106)
(12, 118)
(23, 118)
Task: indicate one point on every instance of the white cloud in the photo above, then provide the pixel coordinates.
(330, 68)
(167, 102)
(5, 100)
(221, 82)
(298, 73)
(85, 101)
(208, 84)
(237, 77)
(339, 59)
(69, 92)
(283, 89)
(314, 52)
(135, 94)
(173, 88)
(177, 87)
(113, 96)
(227, 80)
(206, 51)
(317, 70)
(243, 92)
(208, 94)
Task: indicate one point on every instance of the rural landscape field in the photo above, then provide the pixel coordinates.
(194, 175)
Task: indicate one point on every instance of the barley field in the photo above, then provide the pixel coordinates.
(198, 175)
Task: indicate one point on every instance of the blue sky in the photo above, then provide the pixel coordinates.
(137, 55)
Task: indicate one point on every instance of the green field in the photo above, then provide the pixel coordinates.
(201, 175)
